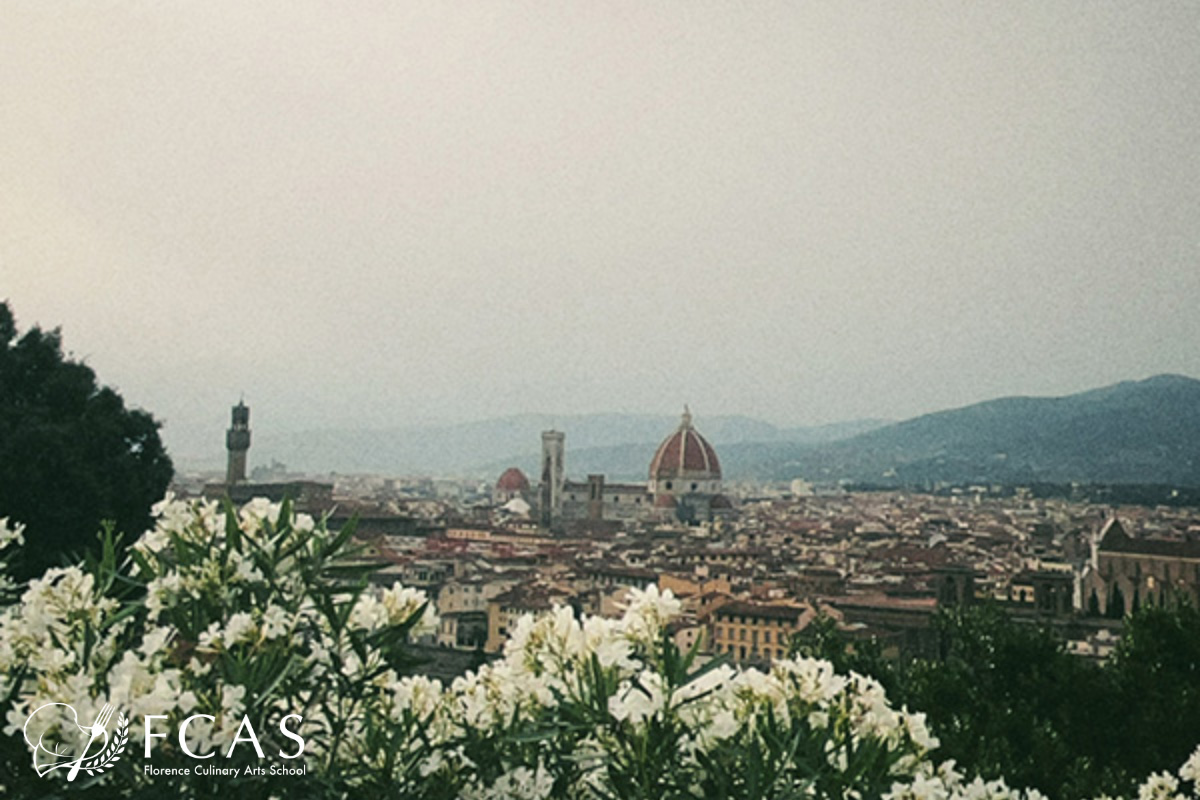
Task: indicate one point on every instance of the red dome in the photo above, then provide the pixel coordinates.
(685, 454)
(513, 480)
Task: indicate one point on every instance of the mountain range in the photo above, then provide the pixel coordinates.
(1144, 431)
(1132, 432)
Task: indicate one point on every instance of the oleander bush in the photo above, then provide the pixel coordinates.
(261, 613)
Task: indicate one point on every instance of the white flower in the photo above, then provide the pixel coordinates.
(1190, 771)
(647, 613)
(276, 621)
(640, 700)
(402, 602)
(11, 533)
(419, 694)
(240, 627)
(154, 641)
(1159, 786)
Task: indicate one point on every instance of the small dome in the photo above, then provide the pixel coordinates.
(513, 480)
(685, 454)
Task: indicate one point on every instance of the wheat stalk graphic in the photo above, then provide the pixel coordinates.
(112, 753)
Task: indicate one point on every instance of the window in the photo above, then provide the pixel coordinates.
(695, 486)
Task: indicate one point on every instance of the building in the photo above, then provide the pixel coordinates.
(757, 631)
(685, 475)
(463, 610)
(598, 500)
(237, 443)
(684, 485)
(308, 496)
(1125, 573)
(550, 490)
(511, 485)
(505, 609)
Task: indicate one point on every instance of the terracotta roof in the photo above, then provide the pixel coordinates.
(761, 611)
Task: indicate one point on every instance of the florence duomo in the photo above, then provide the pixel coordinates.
(684, 485)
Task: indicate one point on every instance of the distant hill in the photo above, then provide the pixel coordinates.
(619, 445)
(1131, 432)
(1138, 432)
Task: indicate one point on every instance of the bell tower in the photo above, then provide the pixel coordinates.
(550, 491)
(237, 442)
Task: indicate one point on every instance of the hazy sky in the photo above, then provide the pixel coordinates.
(389, 212)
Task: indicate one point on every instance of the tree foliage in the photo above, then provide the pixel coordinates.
(1006, 699)
(71, 453)
(1156, 672)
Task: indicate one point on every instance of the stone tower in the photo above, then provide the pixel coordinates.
(553, 476)
(237, 442)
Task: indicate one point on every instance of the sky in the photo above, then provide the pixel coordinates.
(380, 214)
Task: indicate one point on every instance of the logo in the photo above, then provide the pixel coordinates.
(62, 743)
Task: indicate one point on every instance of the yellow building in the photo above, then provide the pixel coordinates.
(757, 631)
(506, 608)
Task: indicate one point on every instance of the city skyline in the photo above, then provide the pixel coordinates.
(390, 216)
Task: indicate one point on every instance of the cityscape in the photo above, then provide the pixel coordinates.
(753, 563)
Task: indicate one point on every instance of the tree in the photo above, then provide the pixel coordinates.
(71, 455)
(1156, 668)
(1007, 698)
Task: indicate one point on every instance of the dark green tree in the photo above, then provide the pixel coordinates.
(1156, 669)
(1116, 603)
(1007, 700)
(71, 454)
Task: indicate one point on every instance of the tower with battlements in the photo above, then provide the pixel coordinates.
(237, 442)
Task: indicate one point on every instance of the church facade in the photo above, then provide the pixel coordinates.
(1126, 573)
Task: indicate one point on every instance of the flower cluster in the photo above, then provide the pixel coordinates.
(220, 612)
(616, 709)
